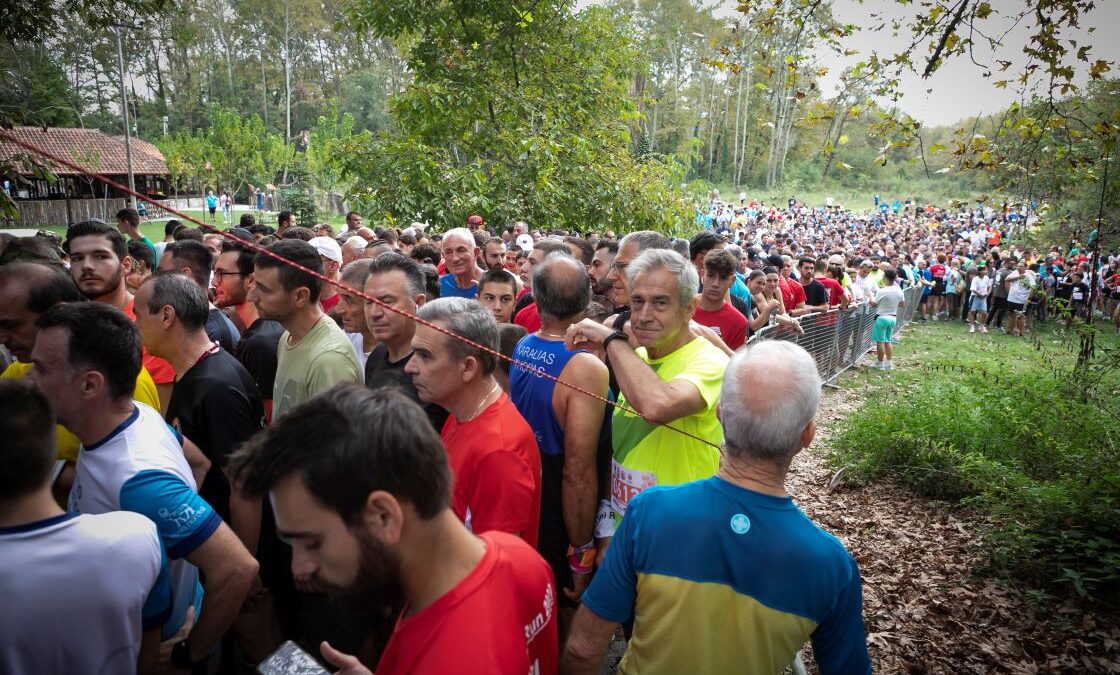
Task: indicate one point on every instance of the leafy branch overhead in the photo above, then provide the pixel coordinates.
(517, 112)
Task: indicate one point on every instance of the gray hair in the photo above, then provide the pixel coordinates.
(462, 233)
(183, 295)
(393, 261)
(680, 246)
(688, 282)
(645, 240)
(355, 273)
(561, 294)
(467, 319)
(771, 391)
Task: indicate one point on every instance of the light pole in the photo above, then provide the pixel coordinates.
(127, 128)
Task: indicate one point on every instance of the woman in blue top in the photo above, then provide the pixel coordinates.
(925, 278)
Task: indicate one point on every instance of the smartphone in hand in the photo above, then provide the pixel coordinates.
(289, 659)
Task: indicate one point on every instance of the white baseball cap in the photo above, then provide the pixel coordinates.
(525, 242)
(327, 248)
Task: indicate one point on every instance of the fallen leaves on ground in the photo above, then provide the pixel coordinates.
(925, 607)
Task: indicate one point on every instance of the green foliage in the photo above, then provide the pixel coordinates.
(233, 152)
(302, 204)
(513, 114)
(38, 20)
(1032, 445)
(34, 88)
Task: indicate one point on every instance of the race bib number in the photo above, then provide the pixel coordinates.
(625, 484)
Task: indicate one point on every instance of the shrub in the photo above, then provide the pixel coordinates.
(1032, 448)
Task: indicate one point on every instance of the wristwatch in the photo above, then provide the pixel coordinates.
(181, 657)
(617, 335)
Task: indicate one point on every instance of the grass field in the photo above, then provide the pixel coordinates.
(1010, 427)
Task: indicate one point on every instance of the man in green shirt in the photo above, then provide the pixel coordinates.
(128, 222)
(673, 378)
(314, 354)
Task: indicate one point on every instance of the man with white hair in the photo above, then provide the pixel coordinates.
(331, 254)
(769, 579)
(459, 255)
(352, 249)
(671, 378)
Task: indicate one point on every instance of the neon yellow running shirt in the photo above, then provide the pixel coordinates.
(646, 454)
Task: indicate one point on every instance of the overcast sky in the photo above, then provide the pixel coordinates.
(958, 89)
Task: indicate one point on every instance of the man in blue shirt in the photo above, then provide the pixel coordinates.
(731, 557)
(460, 255)
(567, 423)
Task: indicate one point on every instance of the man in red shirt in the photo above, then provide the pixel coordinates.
(490, 447)
(715, 310)
(836, 295)
(361, 488)
(793, 295)
(99, 265)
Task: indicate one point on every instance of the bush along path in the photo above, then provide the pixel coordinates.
(929, 604)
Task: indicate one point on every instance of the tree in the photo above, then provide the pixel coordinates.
(514, 113)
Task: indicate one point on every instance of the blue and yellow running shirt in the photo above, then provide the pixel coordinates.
(720, 579)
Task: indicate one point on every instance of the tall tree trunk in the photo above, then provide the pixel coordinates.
(746, 120)
(735, 140)
(287, 75)
(219, 24)
(264, 82)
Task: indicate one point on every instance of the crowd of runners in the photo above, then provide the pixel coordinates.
(221, 442)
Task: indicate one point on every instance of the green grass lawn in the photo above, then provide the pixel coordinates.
(936, 344)
(1010, 428)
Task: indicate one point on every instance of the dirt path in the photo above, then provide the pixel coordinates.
(924, 609)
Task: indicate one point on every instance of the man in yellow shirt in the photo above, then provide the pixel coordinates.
(26, 291)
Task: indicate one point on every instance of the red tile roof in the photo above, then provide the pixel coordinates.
(91, 148)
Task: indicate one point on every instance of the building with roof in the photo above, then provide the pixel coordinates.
(73, 196)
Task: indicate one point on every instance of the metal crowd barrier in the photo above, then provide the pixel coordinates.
(839, 338)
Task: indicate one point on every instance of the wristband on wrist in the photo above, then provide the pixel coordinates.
(617, 335)
(581, 559)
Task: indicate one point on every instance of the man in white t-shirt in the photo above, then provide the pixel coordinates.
(979, 289)
(86, 358)
(886, 302)
(864, 285)
(1019, 285)
(82, 593)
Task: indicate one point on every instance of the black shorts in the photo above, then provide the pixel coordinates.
(938, 287)
(924, 300)
(1015, 307)
(213, 210)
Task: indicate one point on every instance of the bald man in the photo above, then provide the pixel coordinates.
(566, 423)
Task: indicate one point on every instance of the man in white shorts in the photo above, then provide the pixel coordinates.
(980, 289)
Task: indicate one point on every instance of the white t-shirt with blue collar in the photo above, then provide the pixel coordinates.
(140, 467)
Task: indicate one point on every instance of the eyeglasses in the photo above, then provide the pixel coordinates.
(620, 267)
(220, 274)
